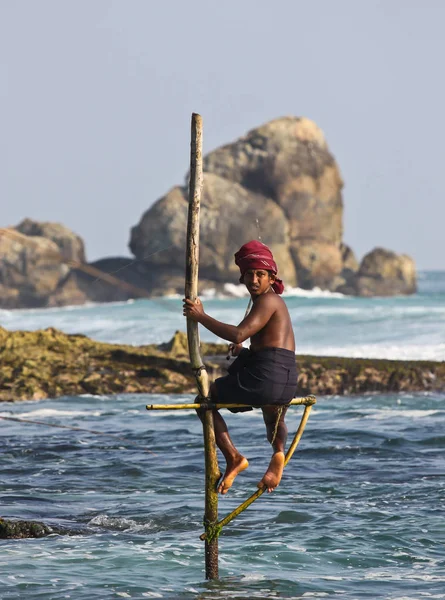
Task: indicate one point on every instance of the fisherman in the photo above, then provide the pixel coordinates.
(263, 376)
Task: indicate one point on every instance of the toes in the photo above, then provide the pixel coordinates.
(223, 488)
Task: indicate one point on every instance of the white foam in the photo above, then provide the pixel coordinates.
(411, 414)
(238, 291)
(253, 577)
(387, 351)
(120, 523)
(315, 292)
(209, 293)
(51, 412)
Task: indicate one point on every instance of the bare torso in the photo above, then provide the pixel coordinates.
(278, 331)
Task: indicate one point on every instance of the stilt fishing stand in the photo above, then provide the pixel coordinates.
(212, 525)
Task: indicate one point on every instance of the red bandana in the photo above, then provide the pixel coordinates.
(256, 255)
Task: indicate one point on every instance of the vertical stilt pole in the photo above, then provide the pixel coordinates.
(191, 291)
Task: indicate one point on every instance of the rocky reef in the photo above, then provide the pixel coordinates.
(279, 182)
(49, 364)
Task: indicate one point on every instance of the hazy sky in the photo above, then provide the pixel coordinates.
(96, 98)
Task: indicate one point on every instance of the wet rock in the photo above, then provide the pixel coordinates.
(49, 364)
(23, 529)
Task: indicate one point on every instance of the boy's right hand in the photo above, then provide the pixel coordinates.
(235, 349)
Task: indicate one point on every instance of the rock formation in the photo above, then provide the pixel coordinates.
(42, 265)
(30, 270)
(70, 245)
(383, 273)
(281, 183)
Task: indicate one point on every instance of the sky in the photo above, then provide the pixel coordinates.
(96, 98)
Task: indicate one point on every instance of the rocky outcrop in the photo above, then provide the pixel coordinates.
(24, 529)
(159, 239)
(42, 265)
(47, 364)
(288, 161)
(70, 245)
(29, 272)
(383, 273)
(279, 182)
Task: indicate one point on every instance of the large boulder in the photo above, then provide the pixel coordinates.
(35, 266)
(229, 214)
(278, 183)
(288, 161)
(30, 270)
(70, 245)
(384, 273)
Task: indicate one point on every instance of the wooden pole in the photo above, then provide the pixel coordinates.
(202, 380)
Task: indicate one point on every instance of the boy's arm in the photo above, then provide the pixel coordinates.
(259, 316)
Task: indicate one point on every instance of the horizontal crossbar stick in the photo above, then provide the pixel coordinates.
(261, 491)
(306, 401)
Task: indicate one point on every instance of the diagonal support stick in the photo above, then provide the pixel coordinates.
(261, 491)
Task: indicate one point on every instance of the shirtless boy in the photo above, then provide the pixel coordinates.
(264, 376)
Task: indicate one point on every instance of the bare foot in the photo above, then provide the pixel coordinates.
(272, 476)
(233, 468)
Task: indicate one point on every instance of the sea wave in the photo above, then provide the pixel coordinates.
(232, 290)
(51, 412)
(407, 414)
(401, 351)
(120, 524)
(315, 292)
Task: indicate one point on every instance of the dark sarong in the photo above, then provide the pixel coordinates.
(268, 376)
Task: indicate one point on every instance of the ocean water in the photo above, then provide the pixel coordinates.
(360, 512)
(403, 327)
